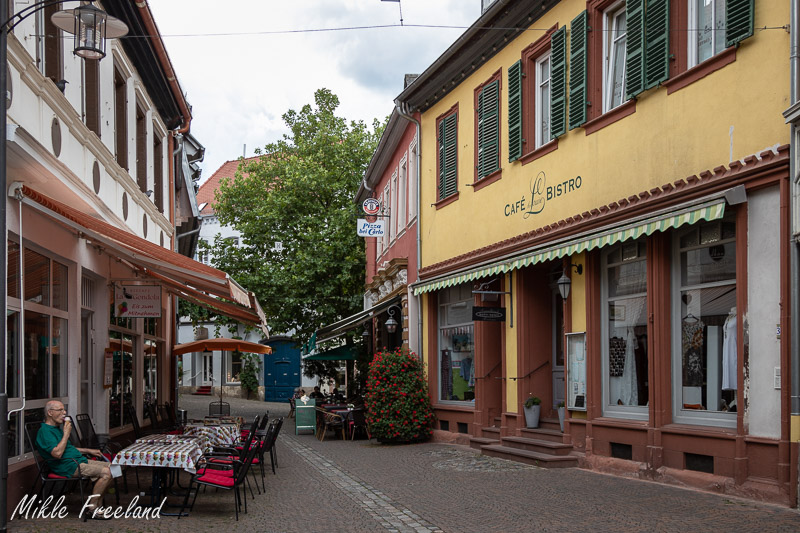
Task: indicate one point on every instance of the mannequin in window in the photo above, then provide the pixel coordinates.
(729, 358)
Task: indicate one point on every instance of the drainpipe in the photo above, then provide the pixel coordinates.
(405, 112)
(794, 245)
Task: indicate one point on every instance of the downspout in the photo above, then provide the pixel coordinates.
(16, 191)
(794, 245)
(403, 111)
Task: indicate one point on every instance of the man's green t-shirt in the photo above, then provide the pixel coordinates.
(47, 439)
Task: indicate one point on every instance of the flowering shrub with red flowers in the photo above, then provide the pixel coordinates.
(398, 407)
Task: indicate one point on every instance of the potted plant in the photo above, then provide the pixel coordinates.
(532, 409)
(561, 414)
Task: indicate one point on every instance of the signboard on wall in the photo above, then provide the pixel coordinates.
(489, 314)
(134, 301)
(371, 229)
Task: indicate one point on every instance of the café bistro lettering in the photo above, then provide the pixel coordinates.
(540, 194)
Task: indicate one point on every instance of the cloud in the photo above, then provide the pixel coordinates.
(240, 84)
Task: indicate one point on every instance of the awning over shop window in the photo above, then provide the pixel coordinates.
(710, 210)
(338, 328)
(181, 275)
(342, 353)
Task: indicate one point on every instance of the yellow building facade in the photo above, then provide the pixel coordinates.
(636, 160)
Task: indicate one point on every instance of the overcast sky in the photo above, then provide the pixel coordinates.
(240, 83)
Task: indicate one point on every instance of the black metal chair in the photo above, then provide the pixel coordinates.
(89, 438)
(358, 422)
(45, 476)
(219, 408)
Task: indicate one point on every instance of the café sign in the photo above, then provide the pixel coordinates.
(489, 314)
(133, 301)
(541, 192)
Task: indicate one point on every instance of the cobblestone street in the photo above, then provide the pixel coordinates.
(362, 486)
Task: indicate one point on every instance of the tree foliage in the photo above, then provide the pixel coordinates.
(299, 193)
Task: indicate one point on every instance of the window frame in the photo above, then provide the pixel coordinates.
(441, 305)
(630, 412)
(611, 16)
(531, 150)
(394, 222)
(688, 416)
(539, 112)
(692, 49)
(412, 181)
(402, 194)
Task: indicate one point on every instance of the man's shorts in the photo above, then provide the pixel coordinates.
(91, 469)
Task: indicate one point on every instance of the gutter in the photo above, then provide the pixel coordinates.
(794, 216)
(166, 64)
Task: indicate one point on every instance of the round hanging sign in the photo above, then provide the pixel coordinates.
(371, 206)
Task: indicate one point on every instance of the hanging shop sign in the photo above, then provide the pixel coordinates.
(541, 192)
(371, 206)
(371, 229)
(489, 314)
(133, 301)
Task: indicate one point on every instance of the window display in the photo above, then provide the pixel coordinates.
(456, 345)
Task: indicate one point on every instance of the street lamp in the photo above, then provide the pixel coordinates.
(91, 26)
(391, 324)
(564, 283)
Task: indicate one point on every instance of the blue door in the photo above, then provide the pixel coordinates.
(281, 371)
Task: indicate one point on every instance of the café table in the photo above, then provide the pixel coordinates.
(161, 454)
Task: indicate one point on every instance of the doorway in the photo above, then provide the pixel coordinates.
(558, 348)
(208, 369)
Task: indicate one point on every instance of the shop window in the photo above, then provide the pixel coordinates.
(704, 332)
(456, 345)
(234, 366)
(447, 160)
(150, 377)
(122, 380)
(625, 385)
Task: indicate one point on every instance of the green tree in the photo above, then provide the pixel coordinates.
(248, 377)
(299, 193)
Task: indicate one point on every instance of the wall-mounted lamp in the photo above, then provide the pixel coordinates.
(91, 27)
(391, 324)
(564, 283)
(367, 333)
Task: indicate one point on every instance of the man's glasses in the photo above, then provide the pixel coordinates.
(62, 410)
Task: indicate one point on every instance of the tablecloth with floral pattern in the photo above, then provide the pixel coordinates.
(222, 435)
(182, 454)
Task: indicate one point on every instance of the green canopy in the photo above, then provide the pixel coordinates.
(342, 353)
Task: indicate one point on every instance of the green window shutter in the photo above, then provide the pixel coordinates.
(656, 37)
(578, 39)
(634, 45)
(515, 111)
(448, 156)
(489, 129)
(442, 169)
(558, 82)
(740, 17)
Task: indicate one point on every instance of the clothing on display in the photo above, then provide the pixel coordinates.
(447, 378)
(693, 332)
(616, 356)
(466, 371)
(729, 356)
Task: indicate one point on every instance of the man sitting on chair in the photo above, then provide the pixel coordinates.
(53, 444)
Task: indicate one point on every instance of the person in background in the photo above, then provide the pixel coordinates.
(317, 393)
(66, 460)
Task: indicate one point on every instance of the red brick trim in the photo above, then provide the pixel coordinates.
(488, 180)
(610, 117)
(700, 71)
(446, 201)
(543, 150)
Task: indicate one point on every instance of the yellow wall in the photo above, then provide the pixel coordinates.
(578, 294)
(795, 429)
(511, 346)
(666, 139)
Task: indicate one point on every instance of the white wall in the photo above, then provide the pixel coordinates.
(763, 312)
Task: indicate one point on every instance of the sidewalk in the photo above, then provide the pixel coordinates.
(362, 486)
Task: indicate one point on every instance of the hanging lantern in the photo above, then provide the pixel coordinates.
(90, 27)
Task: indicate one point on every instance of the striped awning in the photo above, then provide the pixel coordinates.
(713, 210)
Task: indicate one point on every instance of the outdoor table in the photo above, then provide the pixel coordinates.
(218, 435)
(183, 454)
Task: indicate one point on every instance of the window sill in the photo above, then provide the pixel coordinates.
(488, 180)
(698, 72)
(610, 117)
(446, 201)
(539, 152)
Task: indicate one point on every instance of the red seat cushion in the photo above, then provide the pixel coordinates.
(222, 481)
(55, 476)
(220, 461)
(213, 472)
